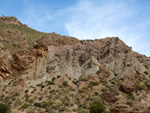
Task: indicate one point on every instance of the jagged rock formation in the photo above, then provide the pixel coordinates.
(29, 62)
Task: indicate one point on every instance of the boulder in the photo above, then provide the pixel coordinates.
(103, 73)
(121, 108)
(93, 78)
(108, 96)
(139, 108)
(128, 87)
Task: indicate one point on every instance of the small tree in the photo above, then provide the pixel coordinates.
(97, 107)
(4, 108)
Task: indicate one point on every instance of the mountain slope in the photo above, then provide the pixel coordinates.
(54, 73)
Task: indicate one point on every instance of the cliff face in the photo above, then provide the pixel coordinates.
(84, 57)
(26, 63)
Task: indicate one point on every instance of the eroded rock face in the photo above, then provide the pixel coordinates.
(128, 86)
(23, 58)
(22, 61)
(103, 73)
(5, 67)
(103, 57)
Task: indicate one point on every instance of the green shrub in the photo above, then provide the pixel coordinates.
(50, 82)
(58, 76)
(65, 83)
(81, 111)
(97, 107)
(26, 91)
(131, 96)
(17, 102)
(147, 84)
(37, 104)
(115, 74)
(4, 108)
(146, 72)
(53, 79)
(94, 83)
(148, 110)
(25, 106)
(30, 111)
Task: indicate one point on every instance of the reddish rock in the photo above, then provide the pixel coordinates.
(121, 108)
(128, 86)
(5, 67)
(108, 96)
(103, 73)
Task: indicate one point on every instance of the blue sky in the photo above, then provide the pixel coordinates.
(87, 19)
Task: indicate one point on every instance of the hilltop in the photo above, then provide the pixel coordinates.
(50, 73)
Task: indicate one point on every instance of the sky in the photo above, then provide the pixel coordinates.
(87, 19)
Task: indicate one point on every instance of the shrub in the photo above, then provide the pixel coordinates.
(94, 83)
(97, 107)
(4, 108)
(53, 79)
(147, 84)
(50, 82)
(146, 72)
(58, 76)
(26, 91)
(65, 83)
(148, 110)
(131, 96)
(115, 74)
(30, 111)
(75, 81)
(25, 106)
(17, 102)
(81, 111)
(37, 104)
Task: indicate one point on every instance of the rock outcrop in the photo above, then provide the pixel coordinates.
(121, 108)
(108, 96)
(128, 87)
(24, 62)
(12, 20)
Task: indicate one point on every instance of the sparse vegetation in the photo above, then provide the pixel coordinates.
(97, 107)
(25, 106)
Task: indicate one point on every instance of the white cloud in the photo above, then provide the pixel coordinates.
(93, 19)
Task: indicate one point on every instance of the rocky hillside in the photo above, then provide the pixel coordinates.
(50, 73)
